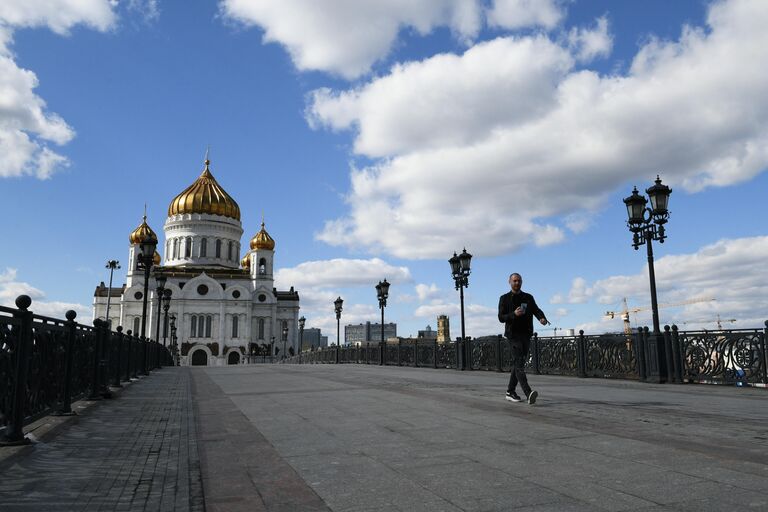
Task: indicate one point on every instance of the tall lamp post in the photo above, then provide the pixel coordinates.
(285, 338)
(647, 225)
(460, 270)
(272, 348)
(147, 248)
(160, 279)
(166, 306)
(337, 307)
(111, 265)
(302, 321)
(382, 292)
(174, 346)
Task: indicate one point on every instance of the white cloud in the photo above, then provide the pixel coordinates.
(731, 271)
(26, 127)
(11, 288)
(428, 292)
(340, 272)
(588, 44)
(466, 148)
(347, 37)
(515, 14)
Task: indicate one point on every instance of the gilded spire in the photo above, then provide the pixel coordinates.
(205, 195)
(142, 232)
(262, 240)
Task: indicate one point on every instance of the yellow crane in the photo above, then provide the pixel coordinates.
(626, 311)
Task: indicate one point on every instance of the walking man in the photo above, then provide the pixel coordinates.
(516, 312)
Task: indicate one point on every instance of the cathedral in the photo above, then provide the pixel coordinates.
(226, 308)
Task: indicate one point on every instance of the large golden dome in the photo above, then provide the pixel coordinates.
(262, 240)
(205, 195)
(246, 262)
(142, 232)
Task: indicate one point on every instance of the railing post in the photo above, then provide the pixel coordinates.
(668, 351)
(14, 430)
(399, 346)
(765, 353)
(499, 363)
(679, 355)
(66, 401)
(116, 380)
(581, 353)
(382, 351)
(468, 353)
(416, 353)
(643, 356)
(535, 353)
(434, 354)
(96, 361)
(106, 339)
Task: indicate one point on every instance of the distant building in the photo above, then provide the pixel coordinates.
(313, 338)
(367, 332)
(443, 329)
(427, 334)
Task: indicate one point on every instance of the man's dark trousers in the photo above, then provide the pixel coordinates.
(520, 345)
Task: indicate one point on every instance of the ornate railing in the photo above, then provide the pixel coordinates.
(46, 363)
(723, 357)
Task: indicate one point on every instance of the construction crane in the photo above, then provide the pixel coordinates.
(720, 322)
(626, 311)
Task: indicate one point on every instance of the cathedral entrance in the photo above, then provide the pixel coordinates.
(199, 358)
(233, 358)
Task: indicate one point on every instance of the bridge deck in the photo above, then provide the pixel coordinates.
(367, 438)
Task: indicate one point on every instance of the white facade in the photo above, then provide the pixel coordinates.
(221, 308)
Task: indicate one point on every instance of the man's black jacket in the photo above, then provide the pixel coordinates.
(518, 325)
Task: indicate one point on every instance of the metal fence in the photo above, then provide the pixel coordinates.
(735, 356)
(46, 363)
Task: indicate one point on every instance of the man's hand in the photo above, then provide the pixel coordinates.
(543, 321)
(519, 311)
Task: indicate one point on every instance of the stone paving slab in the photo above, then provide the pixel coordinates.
(135, 452)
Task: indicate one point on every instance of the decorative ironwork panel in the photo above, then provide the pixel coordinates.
(724, 357)
(425, 354)
(9, 332)
(446, 355)
(482, 354)
(390, 354)
(45, 380)
(558, 356)
(407, 351)
(610, 356)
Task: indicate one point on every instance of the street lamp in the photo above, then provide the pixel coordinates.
(337, 307)
(285, 337)
(460, 270)
(166, 306)
(271, 348)
(111, 265)
(160, 280)
(382, 292)
(147, 248)
(302, 320)
(647, 225)
(174, 346)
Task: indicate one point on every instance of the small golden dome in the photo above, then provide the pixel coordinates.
(246, 262)
(262, 240)
(205, 195)
(142, 232)
(156, 258)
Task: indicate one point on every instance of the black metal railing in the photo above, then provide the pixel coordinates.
(47, 363)
(736, 356)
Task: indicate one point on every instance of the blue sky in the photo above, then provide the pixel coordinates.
(377, 137)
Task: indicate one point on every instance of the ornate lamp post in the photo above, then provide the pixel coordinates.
(382, 292)
(166, 306)
(647, 225)
(460, 270)
(111, 265)
(160, 279)
(285, 338)
(147, 248)
(174, 346)
(337, 307)
(271, 348)
(302, 321)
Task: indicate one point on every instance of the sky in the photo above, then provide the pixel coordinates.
(378, 137)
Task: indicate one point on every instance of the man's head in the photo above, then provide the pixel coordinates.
(516, 282)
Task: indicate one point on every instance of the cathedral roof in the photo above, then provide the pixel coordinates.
(262, 240)
(205, 195)
(142, 232)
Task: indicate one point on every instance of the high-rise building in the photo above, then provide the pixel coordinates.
(368, 332)
(443, 329)
(313, 339)
(427, 334)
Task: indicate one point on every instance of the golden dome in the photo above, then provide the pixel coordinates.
(156, 258)
(142, 232)
(262, 240)
(205, 195)
(246, 262)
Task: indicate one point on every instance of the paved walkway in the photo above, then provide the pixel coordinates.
(367, 438)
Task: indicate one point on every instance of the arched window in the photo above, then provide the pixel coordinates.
(234, 327)
(263, 266)
(261, 328)
(175, 248)
(168, 248)
(284, 334)
(188, 247)
(193, 327)
(136, 325)
(218, 248)
(208, 322)
(203, 247)
(229, 251)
